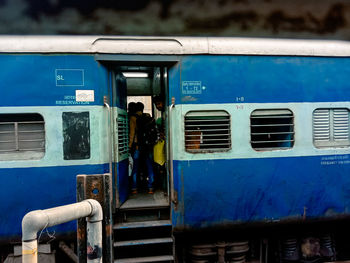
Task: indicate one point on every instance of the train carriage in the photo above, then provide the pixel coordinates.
(257, 140)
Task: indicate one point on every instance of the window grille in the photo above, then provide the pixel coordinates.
(123, 134)
(207, 131)
(22, 133)
(272, 129)
(331, 127)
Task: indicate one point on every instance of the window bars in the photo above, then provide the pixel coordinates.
(272, 129)
(207, 131)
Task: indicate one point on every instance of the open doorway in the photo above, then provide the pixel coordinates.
(145, 182)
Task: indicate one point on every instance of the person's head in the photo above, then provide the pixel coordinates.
(158, 102)
(139, 107)
(132, 107)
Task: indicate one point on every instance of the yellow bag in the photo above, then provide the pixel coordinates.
(159, 152)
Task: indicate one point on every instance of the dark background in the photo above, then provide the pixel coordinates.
(260, 18)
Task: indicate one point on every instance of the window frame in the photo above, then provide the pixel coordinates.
(122, 119)
(332, 142)
(201, 137)
(68, 155)
(21, 153)
(274, 114)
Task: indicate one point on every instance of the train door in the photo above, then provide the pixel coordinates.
(120, 137)
(140, 83)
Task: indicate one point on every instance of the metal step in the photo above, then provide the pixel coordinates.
(143, 230)
(143, 242)
(142, 215)
(145, 259)
(146, 201)
(143, 224)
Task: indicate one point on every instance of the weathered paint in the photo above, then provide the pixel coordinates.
(123, 180)
(37, 78)
(39, 188)
(263, 79)
(240, 130)
(172, 46)
(247, 186)
(240, 185)
(224, 192)
(54, 136)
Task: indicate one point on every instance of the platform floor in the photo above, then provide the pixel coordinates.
(145, 200)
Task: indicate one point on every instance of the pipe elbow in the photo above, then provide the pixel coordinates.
(96, 211)
(33, 222)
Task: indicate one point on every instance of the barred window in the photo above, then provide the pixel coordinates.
(331, 127)
(123, 134)
(22, 136)
(272, 129)
(207, 131)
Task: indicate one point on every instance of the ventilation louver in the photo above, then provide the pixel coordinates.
(21, 133)
(331, 127)
(123, 134)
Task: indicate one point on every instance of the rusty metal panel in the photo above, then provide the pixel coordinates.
(96, 187)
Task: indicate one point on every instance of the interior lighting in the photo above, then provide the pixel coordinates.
(135, 74)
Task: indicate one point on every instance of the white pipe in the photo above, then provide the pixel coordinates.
(37, 220)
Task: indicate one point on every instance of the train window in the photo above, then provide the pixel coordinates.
(207, 131)
(22, 136)
(76, 135)
(272, 129)
(331, 127)
(123, 134)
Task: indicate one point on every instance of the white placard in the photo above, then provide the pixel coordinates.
(85, 95)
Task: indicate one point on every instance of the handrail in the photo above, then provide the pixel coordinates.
(173, 197)
(109, 133)
(37, 220)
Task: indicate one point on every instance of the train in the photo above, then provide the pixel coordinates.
(257, 141)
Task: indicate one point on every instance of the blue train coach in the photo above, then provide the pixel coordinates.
(256, 142)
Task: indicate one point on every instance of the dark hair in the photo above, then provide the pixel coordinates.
(132, 107)
(157, 98)
(139, 106)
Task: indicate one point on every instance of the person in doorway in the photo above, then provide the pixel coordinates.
(159, 103)
(146, 137)
(133, 146)
(159, 148)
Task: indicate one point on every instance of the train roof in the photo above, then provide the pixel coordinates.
(172, 45)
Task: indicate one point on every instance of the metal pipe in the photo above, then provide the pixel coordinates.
(37, 220)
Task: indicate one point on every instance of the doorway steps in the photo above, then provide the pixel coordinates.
(143, 234)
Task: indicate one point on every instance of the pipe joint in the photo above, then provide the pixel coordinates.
(96, 211)
(33, 222)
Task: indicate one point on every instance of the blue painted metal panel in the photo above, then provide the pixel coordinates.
(27, 189)
(174, 83)
(120, 100)
(215, 193)
(123, 180)
(262, 79)
(49, 80)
